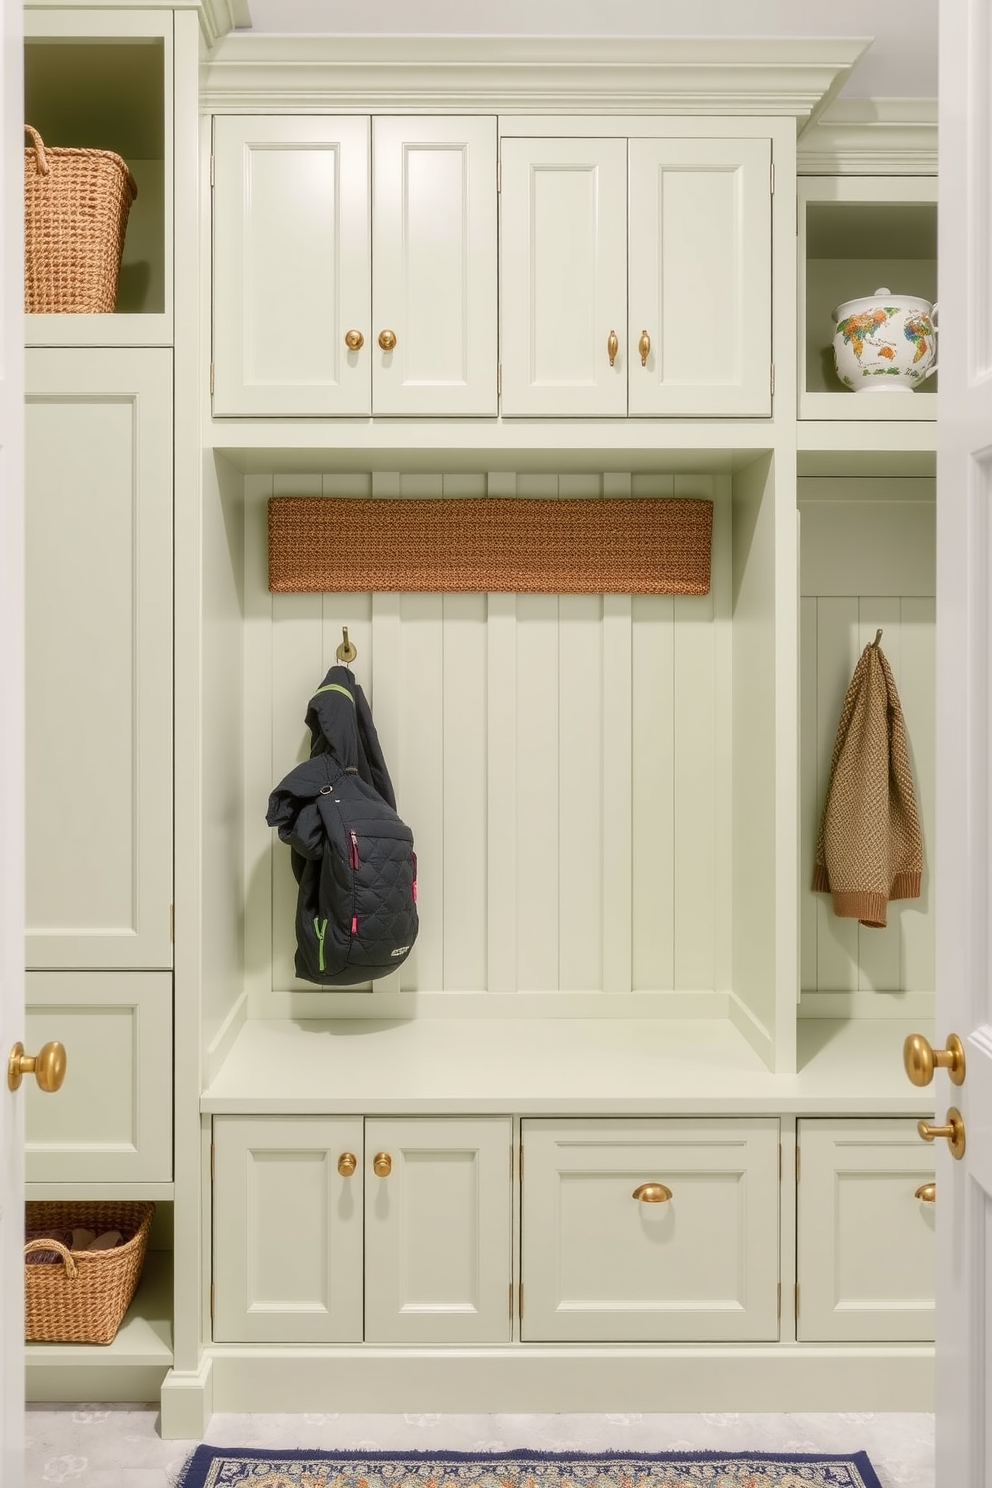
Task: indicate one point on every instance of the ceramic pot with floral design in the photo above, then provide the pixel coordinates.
(885, 343)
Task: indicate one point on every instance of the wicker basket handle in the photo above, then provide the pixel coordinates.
(65, 1255)
(39, 150)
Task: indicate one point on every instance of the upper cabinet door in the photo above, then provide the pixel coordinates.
(99, 658)
(700, 277)
(563, 277)
(434, 257)
(292, 267)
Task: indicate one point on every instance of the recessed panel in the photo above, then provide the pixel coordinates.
(288, 1261)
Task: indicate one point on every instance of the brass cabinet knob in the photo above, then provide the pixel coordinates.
(612, 346)
(347, 1163)
(920, 1060)
(387, 340)
(644, 347)
(382, 1165)
(926, 1193)
(953, 1130)
(652, 1193)
(354, 340)
(48, 1066)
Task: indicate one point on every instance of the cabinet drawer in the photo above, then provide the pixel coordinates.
(865, 1241)
(112, 1120)
(600, 1265)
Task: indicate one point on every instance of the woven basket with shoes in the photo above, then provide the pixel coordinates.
(76, 205)
(81, 1296)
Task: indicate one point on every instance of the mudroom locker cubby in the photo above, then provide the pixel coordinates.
(630, 1124)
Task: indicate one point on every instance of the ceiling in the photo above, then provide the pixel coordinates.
(901, 62)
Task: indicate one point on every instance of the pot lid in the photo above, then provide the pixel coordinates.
(883, 296)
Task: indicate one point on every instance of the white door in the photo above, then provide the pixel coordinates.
(291, 266)
(563, 278)
(438, 1243)
(964, 700)
(699, 337)
(433, 325)
(11, 748)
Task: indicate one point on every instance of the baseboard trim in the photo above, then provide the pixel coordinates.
(187, 1403)
(534, 1378)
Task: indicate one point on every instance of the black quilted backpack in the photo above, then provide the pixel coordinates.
(356, 913)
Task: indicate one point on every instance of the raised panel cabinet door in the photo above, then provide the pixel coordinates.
(99, 658)
(865, 1240)
(291, 266)
(437, 1230)
(563, 277)
(700, 277)
(434, 241)
(111, 1122)
(287, 1229)
(650, 1231)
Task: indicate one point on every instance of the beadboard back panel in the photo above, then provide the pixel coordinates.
(560, 759)
(868, 563)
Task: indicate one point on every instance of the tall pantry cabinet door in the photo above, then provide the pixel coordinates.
(700, 277)
(99, 658)
(287, 1229)
(437, 1230)
(563, 277)
(291, 270)
(434, 258)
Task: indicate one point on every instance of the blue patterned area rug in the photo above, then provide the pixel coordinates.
(246, 1467)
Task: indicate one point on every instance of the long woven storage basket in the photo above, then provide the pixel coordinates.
(76, 205)
(83, 1296)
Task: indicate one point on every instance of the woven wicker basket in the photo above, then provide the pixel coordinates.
(83, 1297)
(76, 205)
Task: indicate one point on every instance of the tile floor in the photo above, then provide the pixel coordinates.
(102, 1446)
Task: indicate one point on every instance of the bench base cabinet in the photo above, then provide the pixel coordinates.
(865, 1240)
(650, 1230)
(331, 1229)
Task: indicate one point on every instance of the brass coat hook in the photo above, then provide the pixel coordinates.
(878, 637)
(346, 652)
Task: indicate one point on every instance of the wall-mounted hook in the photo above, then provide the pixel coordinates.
(346, 652)
(878, 637)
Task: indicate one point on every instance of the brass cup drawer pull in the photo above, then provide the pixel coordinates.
(612, 346)
(382, 1165)
(347, 1163)
(926, 1193)
(644, 347)
(920, 1060)
(652, 1193)
(47, 1066)
(953, 1130)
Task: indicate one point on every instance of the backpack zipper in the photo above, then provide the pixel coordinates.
(413, 860)
(320, 931)
(353, 851)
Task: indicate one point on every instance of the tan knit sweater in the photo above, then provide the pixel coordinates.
(869, 848)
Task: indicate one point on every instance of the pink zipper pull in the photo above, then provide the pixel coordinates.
(413, 859)
(353, 853)
(354, 924)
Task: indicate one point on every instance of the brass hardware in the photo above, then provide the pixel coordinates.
(878, 637)
(644, 347)
(387, 340)
(347, 651)
(612, 346)
(354, 340)
(926, 1193)
(920, 1060)
(953, 1130)
(48, 1066)
(347, 1163)
(652, 1193)
(382, 1165)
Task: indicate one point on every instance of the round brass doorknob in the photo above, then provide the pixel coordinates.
(354, 340)
(920, 1060)
(387, 340)
(644, 347)
(926, 1193)
(652, 1193)
(382, 1165)
(347, 1163)
(953, 1130)
(48, 1066)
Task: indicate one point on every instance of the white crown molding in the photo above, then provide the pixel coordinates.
(881, 136)
(687, 76)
